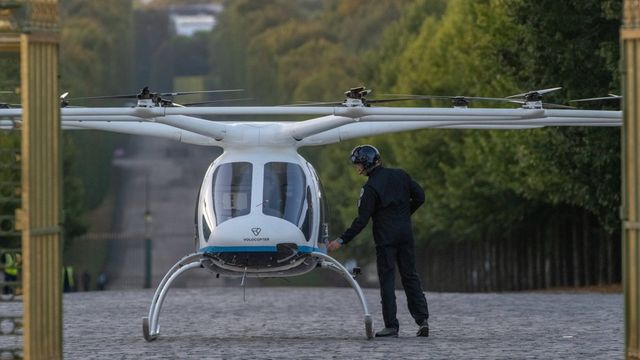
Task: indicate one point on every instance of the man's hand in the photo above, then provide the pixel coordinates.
(334, 245)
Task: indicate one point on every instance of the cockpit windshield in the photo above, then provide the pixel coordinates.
(284, 191)
(232, 190)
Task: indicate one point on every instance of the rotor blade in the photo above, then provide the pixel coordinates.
(215, 101)
(448, 97)
(332, 103)
(543, 91)
(338, 103)
(610, 97)
(177, 93)
(128, 96)
(135, 96)
(377, 101)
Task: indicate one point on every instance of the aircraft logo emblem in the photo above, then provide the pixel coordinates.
(256, 231)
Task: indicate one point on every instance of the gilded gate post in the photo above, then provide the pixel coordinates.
(629, 212)
(30, 27)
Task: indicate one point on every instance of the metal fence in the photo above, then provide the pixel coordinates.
(11, 309)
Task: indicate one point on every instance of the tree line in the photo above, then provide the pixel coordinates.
(93, 59)
(505, 210)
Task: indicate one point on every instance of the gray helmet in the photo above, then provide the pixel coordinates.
(367, 155)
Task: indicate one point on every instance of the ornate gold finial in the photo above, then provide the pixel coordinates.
(28, 16)
(41, 15)
(9, 15)
(631, 13)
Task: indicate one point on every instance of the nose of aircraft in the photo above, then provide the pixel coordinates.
(255, 231)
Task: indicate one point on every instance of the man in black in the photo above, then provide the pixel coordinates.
(389, 197)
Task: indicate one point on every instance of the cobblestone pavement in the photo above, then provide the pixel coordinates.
(327, 323)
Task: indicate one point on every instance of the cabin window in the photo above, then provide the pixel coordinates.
(283, 193)
(232, 190)
(307, 222)
(323, 226)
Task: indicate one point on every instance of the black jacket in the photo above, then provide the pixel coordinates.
(389, 197)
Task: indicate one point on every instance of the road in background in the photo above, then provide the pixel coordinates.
(162, 177)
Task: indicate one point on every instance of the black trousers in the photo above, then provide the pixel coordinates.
(402, 254)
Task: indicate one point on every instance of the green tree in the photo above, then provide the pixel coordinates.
(94, 60)
(482, 186)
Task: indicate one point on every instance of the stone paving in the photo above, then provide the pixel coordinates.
(327, 323)
(215, 322)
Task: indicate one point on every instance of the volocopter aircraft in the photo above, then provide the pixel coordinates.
(260, 210)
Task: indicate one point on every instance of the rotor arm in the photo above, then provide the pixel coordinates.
(141, 128)
(9, 124)
(304, 129)
(379, 124)
(585, 114)
(203, 127)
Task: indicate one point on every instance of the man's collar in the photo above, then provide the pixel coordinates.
(374, 170)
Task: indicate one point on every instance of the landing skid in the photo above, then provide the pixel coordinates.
(151, 326)
(327, 262)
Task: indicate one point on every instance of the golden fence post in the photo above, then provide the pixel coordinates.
(630, 42)
(39, 217)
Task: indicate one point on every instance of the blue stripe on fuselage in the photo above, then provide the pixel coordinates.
(223, 249)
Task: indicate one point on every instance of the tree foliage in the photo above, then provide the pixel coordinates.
(479, 184)
(95, 59)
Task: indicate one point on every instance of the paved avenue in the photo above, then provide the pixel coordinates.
(327, 323)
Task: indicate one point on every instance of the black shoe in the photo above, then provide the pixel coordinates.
(387, 332)
(423, 330)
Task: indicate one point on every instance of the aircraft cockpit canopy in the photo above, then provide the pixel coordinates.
(285, 193)
(232, 190)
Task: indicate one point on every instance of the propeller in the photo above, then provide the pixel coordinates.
(356, 96)
(214, 101)
(533, 99)
(63, 99)
(364, 101)
(609, 97)
(535, 95)
(456, 101)
(358, 92)
(157, 98)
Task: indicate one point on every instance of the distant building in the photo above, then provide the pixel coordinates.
(186, 20)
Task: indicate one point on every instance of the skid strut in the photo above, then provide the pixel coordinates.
(150, 325)
(328, 262)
